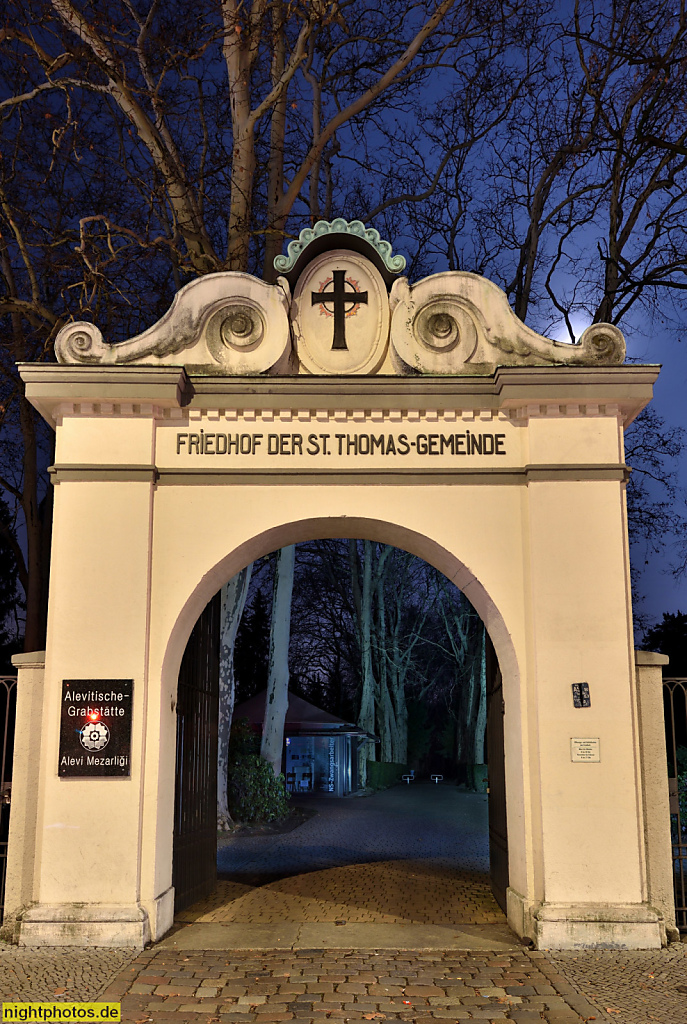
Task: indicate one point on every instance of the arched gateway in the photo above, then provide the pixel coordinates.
(338, 402)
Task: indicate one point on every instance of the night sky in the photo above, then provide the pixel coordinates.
(664, 593)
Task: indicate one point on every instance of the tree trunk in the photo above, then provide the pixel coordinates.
(386, 723)
(386, 719)
(277, 697)
(234, 595)
(366, 718)
(274, 237)
(401, 739)
(481, 717)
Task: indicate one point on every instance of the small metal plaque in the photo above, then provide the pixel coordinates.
(581, 695)
(95, 728)
(587, 749)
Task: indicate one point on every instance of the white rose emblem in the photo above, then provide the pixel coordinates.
(95, 736)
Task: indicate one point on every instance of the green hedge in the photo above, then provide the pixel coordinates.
(382, 774)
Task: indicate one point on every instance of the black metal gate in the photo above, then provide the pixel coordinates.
(194, 868)
(8, 711)
(675, 710)
(498, 829)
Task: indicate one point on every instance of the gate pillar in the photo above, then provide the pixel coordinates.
(653, 763)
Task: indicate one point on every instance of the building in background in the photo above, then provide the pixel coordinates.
(320, 750)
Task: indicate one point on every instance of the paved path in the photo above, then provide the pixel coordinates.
(387, 894)
(58, 974)
(441, 824)
(420, 987)
(351, 986)
(417, 987)
(407, 867)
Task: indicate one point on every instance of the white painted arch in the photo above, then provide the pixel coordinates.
(354, 527)
(295, 532)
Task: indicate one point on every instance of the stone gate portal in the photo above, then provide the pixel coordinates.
(339, 401)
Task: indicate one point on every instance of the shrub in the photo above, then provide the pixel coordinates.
(243, 739)
(255, 793)
(382, 774)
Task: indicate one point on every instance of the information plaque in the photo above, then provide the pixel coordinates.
(95, 728)
(585, 749)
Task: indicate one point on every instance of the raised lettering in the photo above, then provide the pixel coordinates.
(181, 439)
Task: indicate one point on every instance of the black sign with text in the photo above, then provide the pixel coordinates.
(581, 695)
(95, 728)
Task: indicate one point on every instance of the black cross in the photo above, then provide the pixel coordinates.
(341, 298)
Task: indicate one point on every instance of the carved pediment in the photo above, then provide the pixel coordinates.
(340, 320)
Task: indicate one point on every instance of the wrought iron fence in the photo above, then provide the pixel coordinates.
(8, 710)
(675, 709)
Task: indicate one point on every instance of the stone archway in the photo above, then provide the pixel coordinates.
(193, 860)
(234, 426)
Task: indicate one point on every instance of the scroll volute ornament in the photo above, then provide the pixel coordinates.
(229, 323)
(460, 323)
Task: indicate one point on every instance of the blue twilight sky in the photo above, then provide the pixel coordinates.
(663, 593)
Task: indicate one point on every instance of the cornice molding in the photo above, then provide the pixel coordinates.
(521, 476)
(515, 393)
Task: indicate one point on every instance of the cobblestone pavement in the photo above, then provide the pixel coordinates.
(60, 974)
(412, 854)
(421, 988)
(632, 987)
(360, 860)
(348, 985)
(417, 892)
